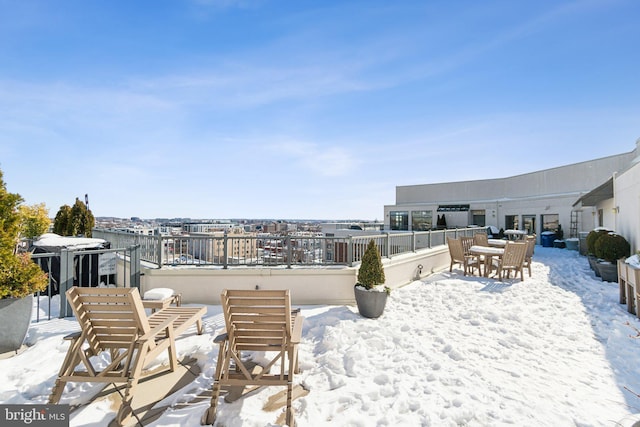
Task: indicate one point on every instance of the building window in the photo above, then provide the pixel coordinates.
(529, 223)
(550, 222)
(421, 220)
(511, 222)
(399, 220)
(478, 218)
(600, 218)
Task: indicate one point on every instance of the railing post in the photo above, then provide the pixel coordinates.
(159, 250)
(225, 250)
(287, 242)
(429, 239)
(66, 280)
(134, 266)
(350, 251)
(413, 241)
(388, 244)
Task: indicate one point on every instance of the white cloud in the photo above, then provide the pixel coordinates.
(329, 161)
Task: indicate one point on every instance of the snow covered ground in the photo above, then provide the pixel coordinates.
(554, 350)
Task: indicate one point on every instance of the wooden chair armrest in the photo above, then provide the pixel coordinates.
(296, 331)
(220, 338)
(168, 322)
(73, 335)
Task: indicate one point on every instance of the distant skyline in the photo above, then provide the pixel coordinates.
(306, 109)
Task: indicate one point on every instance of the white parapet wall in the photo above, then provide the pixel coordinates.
(308, 285)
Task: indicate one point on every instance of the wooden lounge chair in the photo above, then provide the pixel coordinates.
(468, 262)
(256, 320)
(113, 320)
(512, 260)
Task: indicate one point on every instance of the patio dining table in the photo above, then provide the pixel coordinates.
(498, 243)
(515, 234)
(488, 252)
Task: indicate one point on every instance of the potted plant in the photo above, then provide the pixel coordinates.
(371, 296)
(591, 250)
(610, 247)
(20, 278)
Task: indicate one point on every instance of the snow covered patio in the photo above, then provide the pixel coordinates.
(555, 350)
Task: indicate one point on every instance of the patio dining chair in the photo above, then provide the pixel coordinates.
(480, 239)
(468, 262)
(512, 260)
(257, 321)
(114, 323)
(531, 244)
(467, 242)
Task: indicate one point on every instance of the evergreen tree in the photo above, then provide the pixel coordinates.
(371, 272)
(74, 221)
(9, 219)
(19, 276)
(62, 221)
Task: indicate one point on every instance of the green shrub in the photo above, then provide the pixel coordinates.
(611, 247)
(19, 276)
(371, 272)
(591, 239)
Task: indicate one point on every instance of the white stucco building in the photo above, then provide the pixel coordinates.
(578, 197)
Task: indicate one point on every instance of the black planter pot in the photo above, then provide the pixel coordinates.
(15, 317)
(593, 263)
(608, 271)
(370, 303)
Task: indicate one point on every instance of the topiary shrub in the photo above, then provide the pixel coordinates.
(611, 247)
(591, 239)
(371, 272)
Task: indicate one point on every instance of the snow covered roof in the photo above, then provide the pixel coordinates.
(51, 241)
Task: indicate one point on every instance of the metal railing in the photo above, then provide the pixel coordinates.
(274, 251)
(88, 268)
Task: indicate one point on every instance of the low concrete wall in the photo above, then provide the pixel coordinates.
(308, 285)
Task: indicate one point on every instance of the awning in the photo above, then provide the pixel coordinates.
(453, 208)
(593, 197)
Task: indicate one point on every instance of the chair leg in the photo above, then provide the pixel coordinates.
(209, 416)
(56, 393)
(289, 414)
(124, 413)
(134, 372)
(70, 361)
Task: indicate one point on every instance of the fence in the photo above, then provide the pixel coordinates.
(89, 268)
(274, 251)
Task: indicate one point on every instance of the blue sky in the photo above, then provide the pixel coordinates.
(304, 109)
